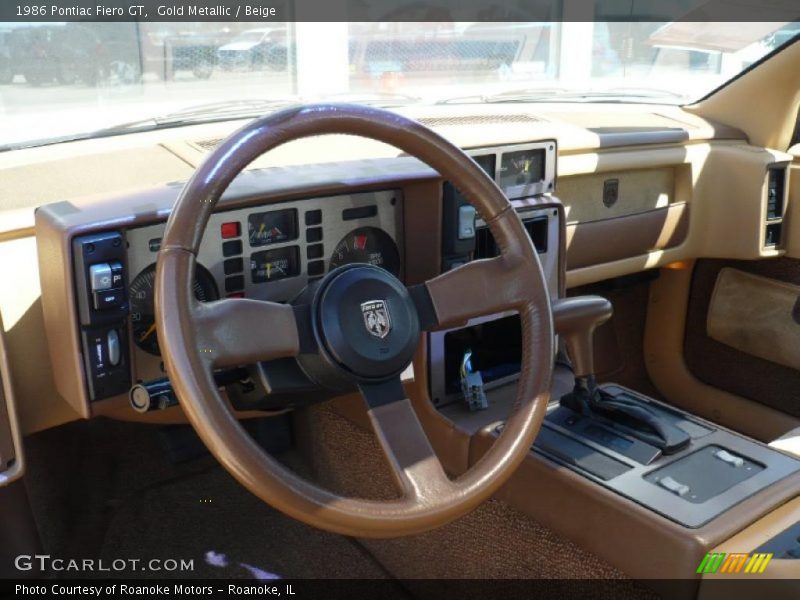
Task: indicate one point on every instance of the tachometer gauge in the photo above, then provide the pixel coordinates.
(142, 303)
(367, 245)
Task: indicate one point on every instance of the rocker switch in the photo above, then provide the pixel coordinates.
(100, 277)
(466, 222)
(676, 487)
(731, 459)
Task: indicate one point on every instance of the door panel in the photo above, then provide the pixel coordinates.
(747, 345)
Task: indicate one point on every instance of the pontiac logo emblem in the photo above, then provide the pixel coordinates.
(376, 318)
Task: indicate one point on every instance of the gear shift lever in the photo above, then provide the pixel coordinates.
(576, 320)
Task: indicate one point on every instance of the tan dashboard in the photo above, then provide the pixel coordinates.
(672, 187)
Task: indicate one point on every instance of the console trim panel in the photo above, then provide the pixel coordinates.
(636, 485)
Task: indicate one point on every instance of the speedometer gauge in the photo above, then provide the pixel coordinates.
(367, 245)
(142, 302)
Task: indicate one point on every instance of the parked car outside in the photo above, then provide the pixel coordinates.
(258, 48)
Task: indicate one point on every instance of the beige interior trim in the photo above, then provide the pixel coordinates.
(639, 190)
(791, 214)
(754, 536)
(716, 179)
(766, 117)
(663, 354)
(602, 242)
(719, 182)
(789, 442)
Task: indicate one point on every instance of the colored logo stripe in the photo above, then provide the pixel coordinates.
(711, 562)
(721, 562)
(757, 563)
(734, 563)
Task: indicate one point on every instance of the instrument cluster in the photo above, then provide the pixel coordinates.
(269, 252)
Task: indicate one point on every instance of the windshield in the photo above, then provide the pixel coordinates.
(62, 81)
(250, 36)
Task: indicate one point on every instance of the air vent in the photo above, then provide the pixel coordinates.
(775, 186)
(486, 247)
(478, 120)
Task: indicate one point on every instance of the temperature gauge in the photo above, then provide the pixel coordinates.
(272, 227)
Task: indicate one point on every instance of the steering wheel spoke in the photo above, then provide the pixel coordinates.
(475, 289)
(243, 331)
(417, 470)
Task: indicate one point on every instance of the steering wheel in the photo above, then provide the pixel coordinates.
(363, 324)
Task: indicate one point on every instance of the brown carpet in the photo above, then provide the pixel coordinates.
(104, 489)
(495, 541)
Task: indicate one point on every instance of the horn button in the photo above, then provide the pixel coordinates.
(366, 322)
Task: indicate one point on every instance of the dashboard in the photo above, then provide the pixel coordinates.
(281, 226)
(271, 247)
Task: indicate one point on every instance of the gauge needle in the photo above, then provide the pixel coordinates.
(269, 270)
(147, 333)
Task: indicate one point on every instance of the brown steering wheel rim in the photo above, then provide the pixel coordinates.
(196, 337)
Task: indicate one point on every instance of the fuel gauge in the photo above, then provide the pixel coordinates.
(273, 265)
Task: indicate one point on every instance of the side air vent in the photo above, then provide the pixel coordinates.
(776, 184)
(776, 191)
(485, 246)
(471, 120)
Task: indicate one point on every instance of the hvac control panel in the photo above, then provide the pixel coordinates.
(99, 262)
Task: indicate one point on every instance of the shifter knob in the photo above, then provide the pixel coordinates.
(576, 319)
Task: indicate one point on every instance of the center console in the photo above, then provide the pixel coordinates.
(491, 345)
(609, 481)
(713, 473)
(642, 484)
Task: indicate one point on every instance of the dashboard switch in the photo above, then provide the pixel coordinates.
(116, 274)
(232, 248)
(112, 343)
(676, 487)
(731, 459)
(466, 222)
(100, 277)
(99, 357)
(108, 299)
(230, 230)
